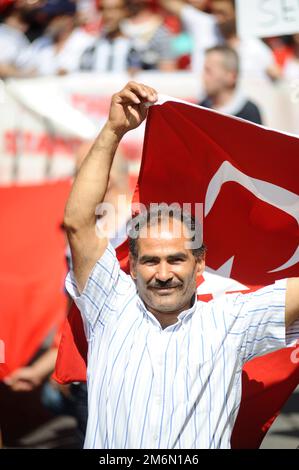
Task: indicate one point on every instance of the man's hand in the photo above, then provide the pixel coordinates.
(25, 379)
(129, 107)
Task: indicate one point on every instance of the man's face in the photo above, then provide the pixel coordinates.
(165, 270)
(199, 4)
(225, 14)
(216, 77)
(59, 26)
(113, 12)
(223, 10)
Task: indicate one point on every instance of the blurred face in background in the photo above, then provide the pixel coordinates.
(60, 26)
(199, 4)
(113, 12)
(216, 76)
(225, 14)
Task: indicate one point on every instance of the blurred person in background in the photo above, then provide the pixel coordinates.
(282, 49)
(58, 51)
(87, 13)
(59, 399)
(13, 40)
(291, 67)
(36, 22)
(220, 82)
(256, 58)
(26, 379)
(67, 400)
(199, 25)
(110, 51)
(151, 39)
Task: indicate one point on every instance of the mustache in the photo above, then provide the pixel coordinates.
(164, 284)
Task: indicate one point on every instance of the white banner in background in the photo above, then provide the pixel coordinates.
(266, 18)
(46, 122)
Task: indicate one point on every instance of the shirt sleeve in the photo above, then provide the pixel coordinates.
(163, 42)
(260, 320)
(97, 302)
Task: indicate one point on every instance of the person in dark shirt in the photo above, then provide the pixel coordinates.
(220, 82)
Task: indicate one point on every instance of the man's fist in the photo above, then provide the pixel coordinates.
(129, 107)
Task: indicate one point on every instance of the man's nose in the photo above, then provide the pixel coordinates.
(163, 272)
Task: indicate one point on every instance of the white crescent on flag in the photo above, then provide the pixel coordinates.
(277, 196)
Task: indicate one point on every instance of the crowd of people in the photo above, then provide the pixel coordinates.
(55, 37)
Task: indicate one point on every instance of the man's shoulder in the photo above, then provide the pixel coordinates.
(250, 106)
(250, 112)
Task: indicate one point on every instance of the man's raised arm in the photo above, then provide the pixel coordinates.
(127, 111)
(173, 6)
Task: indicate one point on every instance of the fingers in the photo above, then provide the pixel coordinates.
(8, 380)
(13, 377)
(137, 93)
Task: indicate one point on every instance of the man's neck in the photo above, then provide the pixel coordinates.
(170, 318)
(222, 98)
(111, 35)
(233, 41)
(15, 23)
(165, 319)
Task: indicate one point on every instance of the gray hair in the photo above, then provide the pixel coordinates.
(230, 57)
(155, 214)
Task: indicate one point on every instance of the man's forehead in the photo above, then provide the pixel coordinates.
(165, 229)
(163, 240)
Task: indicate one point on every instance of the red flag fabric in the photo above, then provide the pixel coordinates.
(32, 253)
(246, 177)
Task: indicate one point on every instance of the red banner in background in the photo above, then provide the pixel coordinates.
(32, 269)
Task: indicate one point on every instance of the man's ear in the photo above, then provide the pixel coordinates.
(200, 267)
(132, 264)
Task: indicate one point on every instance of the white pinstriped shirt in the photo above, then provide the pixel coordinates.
(174, 388)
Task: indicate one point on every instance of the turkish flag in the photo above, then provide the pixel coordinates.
(246, 177)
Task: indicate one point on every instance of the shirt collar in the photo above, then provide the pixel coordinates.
(182, 317)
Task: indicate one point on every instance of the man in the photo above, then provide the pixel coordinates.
(59, 50)
(111, 50)
(13, 40)
(164, 370)
(256, 58)
(220, 83)
(199, 25)
(151, 39)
